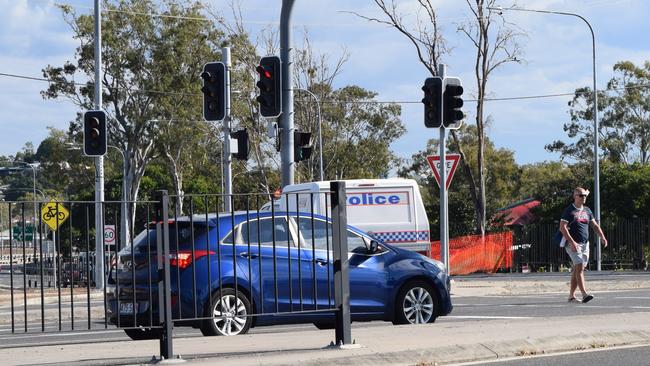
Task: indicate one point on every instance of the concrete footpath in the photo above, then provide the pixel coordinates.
(444, 342)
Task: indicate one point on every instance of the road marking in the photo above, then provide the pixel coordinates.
(555, 305)
(556, 294)
(487, 317)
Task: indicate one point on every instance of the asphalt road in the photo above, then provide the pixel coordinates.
(545, 305)
(467, 309)
(628, 356)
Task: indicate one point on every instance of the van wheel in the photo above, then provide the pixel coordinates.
(139, 334)
(416, 303)
(230, 314)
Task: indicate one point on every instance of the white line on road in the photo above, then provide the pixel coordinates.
(487, 317)
(547, 305)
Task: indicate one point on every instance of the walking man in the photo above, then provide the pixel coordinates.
(574, 226)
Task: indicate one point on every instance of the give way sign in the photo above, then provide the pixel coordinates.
(452, 162)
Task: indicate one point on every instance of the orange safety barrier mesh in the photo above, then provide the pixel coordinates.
(474, 253)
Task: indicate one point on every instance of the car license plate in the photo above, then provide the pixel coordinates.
(127, 308)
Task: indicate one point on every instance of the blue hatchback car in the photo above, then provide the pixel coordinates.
(234, 271)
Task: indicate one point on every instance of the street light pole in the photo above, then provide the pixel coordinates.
(595, 113)
(99, 161)
(286, 118)
(320, 130)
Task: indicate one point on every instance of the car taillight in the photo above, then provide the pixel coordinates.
(183, 258)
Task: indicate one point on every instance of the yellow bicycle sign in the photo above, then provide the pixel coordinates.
(54, 214)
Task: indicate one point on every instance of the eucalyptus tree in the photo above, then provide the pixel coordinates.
(624, 128)
(495, 42)
(151, 58)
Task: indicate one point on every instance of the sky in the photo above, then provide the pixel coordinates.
(557, 54)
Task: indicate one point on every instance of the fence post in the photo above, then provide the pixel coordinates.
(164, 289)
(341, 264)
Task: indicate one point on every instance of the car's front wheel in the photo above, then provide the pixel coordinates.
(416, 304)
(230, 314)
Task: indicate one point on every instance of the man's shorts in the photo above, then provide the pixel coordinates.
(581, 256)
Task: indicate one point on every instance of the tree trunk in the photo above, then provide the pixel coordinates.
(470, 177)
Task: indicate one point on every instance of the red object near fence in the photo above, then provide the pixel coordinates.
(476, 253)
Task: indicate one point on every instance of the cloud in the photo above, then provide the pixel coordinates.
(557, 50)
(32, 35)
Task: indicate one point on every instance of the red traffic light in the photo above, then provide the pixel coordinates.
(264, 72)
(270, 85)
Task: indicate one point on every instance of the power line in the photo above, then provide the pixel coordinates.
(523, 97)
(83, 84)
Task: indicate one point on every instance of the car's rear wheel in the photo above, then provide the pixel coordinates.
(230, 314)
(416, 303)
(138, 334)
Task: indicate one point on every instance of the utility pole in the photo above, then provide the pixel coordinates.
(286, 119)
(444, 218)
(99, 160)
(227, 156)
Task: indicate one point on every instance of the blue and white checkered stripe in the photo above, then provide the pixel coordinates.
(402, 236)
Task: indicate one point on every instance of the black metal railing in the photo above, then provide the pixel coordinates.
(629, 247)
(185, 263)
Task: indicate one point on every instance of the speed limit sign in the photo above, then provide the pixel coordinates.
(109, 234)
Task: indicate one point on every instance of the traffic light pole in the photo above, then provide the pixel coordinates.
(444, 218)
(227, 157)
(286, 118)
(99, 160)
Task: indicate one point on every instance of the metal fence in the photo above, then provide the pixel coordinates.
(190, 264)
(628, 247)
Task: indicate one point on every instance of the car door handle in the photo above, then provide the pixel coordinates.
(320, 262)
(248, 255)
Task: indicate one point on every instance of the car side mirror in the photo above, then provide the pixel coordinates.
(374, 246)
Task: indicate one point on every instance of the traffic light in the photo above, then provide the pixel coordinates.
(452, 102)
(432, 101)
(243, 148)
(270, 85)
(301, 145)
(214, 91)
(95, 134)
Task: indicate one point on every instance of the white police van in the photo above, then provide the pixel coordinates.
(389, 209)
